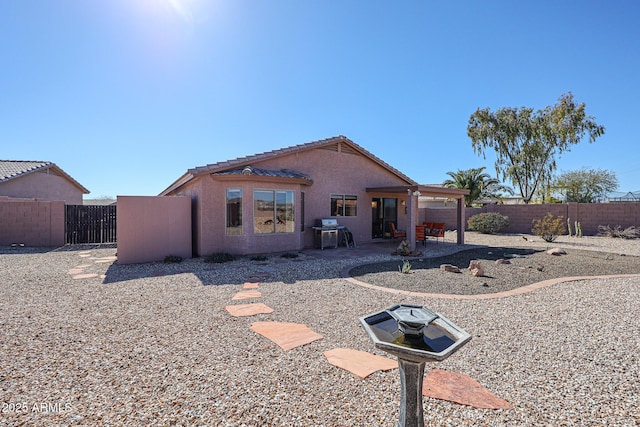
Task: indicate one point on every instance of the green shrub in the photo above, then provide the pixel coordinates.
(171, 259)
(219, 257)
(549, 227)
(488, 223)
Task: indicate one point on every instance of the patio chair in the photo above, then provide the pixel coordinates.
(395, 234)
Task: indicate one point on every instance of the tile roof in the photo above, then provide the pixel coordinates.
(247, 160)
(282, 173)
(11, 169)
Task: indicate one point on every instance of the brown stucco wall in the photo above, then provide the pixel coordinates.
(151, 228)
(32, 222)
(521, 217)
(44, 186)
(332, 173)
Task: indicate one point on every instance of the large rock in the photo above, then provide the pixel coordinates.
(450, 268)
(557, 251)
(502, 261)
(476, 269)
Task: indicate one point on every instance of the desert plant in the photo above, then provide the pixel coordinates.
(219, 257)
(171, 259)
(488, 223)
(549, 227)
(578, 229)
(405, 268)
(569, 226)
(631, 232)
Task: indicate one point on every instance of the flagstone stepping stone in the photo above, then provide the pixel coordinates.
(105, 260)
(358, 362)
(75, 271)
(242, 310)
(286, 335)
(246, 295)
(85, 276)
(250, 285)
(85, 255)
(82, 266)
(460, 389)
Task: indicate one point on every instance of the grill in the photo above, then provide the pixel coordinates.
(328, 234)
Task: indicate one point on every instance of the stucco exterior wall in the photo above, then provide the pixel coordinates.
(44, 186)
(151, 228)
(340, 173)
(31, 222)
(332, 173)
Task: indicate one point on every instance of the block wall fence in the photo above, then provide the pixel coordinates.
(41, 223)
(31, 222)
(150, 228)
(521, 217)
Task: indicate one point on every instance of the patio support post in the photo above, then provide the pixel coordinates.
(460, 221)
(412, 206)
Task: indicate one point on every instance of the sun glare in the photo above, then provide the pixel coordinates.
(181, 8)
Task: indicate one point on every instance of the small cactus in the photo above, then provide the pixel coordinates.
(405, 268)
(569, 226)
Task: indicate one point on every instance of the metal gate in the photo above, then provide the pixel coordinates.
(90, 224)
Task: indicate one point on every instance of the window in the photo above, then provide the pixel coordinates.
(344, 205)
(273, 212)
(234, 212)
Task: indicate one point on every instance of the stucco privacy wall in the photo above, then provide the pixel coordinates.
(42, 185)
(32, 222)
(521, 217)
(150, 228)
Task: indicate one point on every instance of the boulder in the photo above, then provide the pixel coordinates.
(450, 268)
(557, 251)
(402, 249)
(476, 269)
(503, 261)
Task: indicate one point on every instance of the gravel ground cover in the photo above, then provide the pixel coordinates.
(152, 344)
(525, 266)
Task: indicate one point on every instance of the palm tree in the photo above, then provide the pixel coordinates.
(479, 184)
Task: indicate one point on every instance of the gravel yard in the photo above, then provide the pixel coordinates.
(152, 344)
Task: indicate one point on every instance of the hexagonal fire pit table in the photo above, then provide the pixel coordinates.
(415, 335)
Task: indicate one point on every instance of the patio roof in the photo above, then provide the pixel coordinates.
(425, 190)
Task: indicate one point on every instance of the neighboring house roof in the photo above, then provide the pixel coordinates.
(99, 202)
(12, 169)
(238, 163)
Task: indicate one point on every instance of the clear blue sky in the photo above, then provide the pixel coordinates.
(126, 95)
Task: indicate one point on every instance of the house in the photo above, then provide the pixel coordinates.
(270, 202)
(39, 180)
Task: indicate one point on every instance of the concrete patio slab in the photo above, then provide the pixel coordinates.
(243, 310)
(286, 335)
(460, 389)
(358, 362)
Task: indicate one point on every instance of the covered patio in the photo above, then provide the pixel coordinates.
(413, 192)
